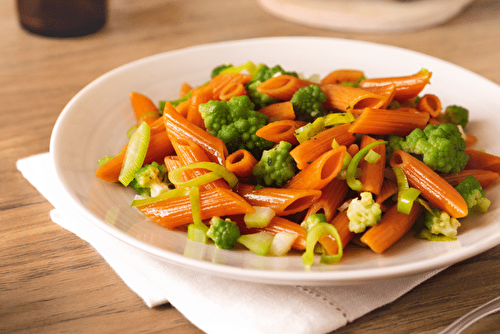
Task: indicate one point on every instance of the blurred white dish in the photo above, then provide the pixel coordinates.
(377, 16)
(95, 121)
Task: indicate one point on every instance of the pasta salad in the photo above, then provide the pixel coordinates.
(263, 158)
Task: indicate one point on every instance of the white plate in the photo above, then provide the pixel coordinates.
(95, 121)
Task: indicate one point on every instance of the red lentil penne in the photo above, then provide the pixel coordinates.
(283, 130)
(144, 108)
(232, 89)
(372, 174)
(279, 111)
(344, 98)
(341, 76)
(200, 95)
(282, 87)
(332, 196)
(341, 224)
(241, 163)
(432, 186)
(431, 104)
(384, 122)
(482, 160)
(485, 177)
(283, 201)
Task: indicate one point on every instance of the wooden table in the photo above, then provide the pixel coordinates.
(52, 281)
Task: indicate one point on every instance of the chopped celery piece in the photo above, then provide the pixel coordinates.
(219, 171)
(334, 119)
(135, 153)
(282, 243)
(195, 234)
(354, 183)
(312, 238)
(310, 130)
(372, 157)
(261, 217)
(259, 242)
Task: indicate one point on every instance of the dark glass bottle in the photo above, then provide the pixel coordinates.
(62, 18)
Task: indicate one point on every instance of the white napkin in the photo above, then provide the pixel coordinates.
(215, 304)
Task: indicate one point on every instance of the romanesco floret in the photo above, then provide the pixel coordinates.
(236, 122)
(151, 180)
(308, 102)
(439, 222)
(363, 212)
(264, 73)
(276, 166)
(393, 144)
(455, 115)
(439, 146)
(312, 220)
(473, 193)
(217, 70)
(223, 232)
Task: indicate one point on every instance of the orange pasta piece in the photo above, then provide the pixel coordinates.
(482, 160)
(332, 196)
(172, 162)
(387, 91)
(219, 82)
(389, 188)
(282, 87)
(311, 149)
(372, 174)
(431, 104)
(392, 227)
(283, 130)
(470, 140)
(189, 152)
(384, 122)
(157, 126)
(179, 127)
(407, 87)
(346, 98)
(277, 224)
(174, 212)
(185, 88)
(485, 177)
(144, 108)
(320, 172)
(280, 111)
(241, 163)
(200, 95)
(232, 89)
(353, 149)
(183, 108)
(341, 224)
(341, 76)
(283, 201)
(432, 186)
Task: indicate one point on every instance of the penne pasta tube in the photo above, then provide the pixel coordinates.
(346, 98)
(283, 130)
(283, 201)
(341, 76)
(174, 212)
(188, 153)
(200, 95)
(392, 227)
(241, 163)
(482, 160)
(389, 188)
(407, 87)
(311, 149)
(282, 87)
(320, 172)
(432, 186)
(372, 174)
(232, 89)
(485, 177)
(222, 81)
(431, 104)
(399, 122)
(183, 108)
(144, 108)
(185, 88)
(279, 111)
(387, 91)
(179, 127)
(332, 196)
(172, 162)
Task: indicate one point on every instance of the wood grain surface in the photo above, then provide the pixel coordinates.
(53, 282)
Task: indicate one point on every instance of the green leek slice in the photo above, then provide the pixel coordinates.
(354, 183)
(219, 171)
(312, 238)
(135, 153)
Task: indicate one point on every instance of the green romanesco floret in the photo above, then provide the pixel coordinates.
(217, 70)
(312, 220)
(308, 102)
(276, 166)
(440, 223)
(455, 115)
(473, 193)
(223, 232)
(236, 122)
(363, 212)
(439, 146)
(393, 144)
(264, 73)
(151, 180)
